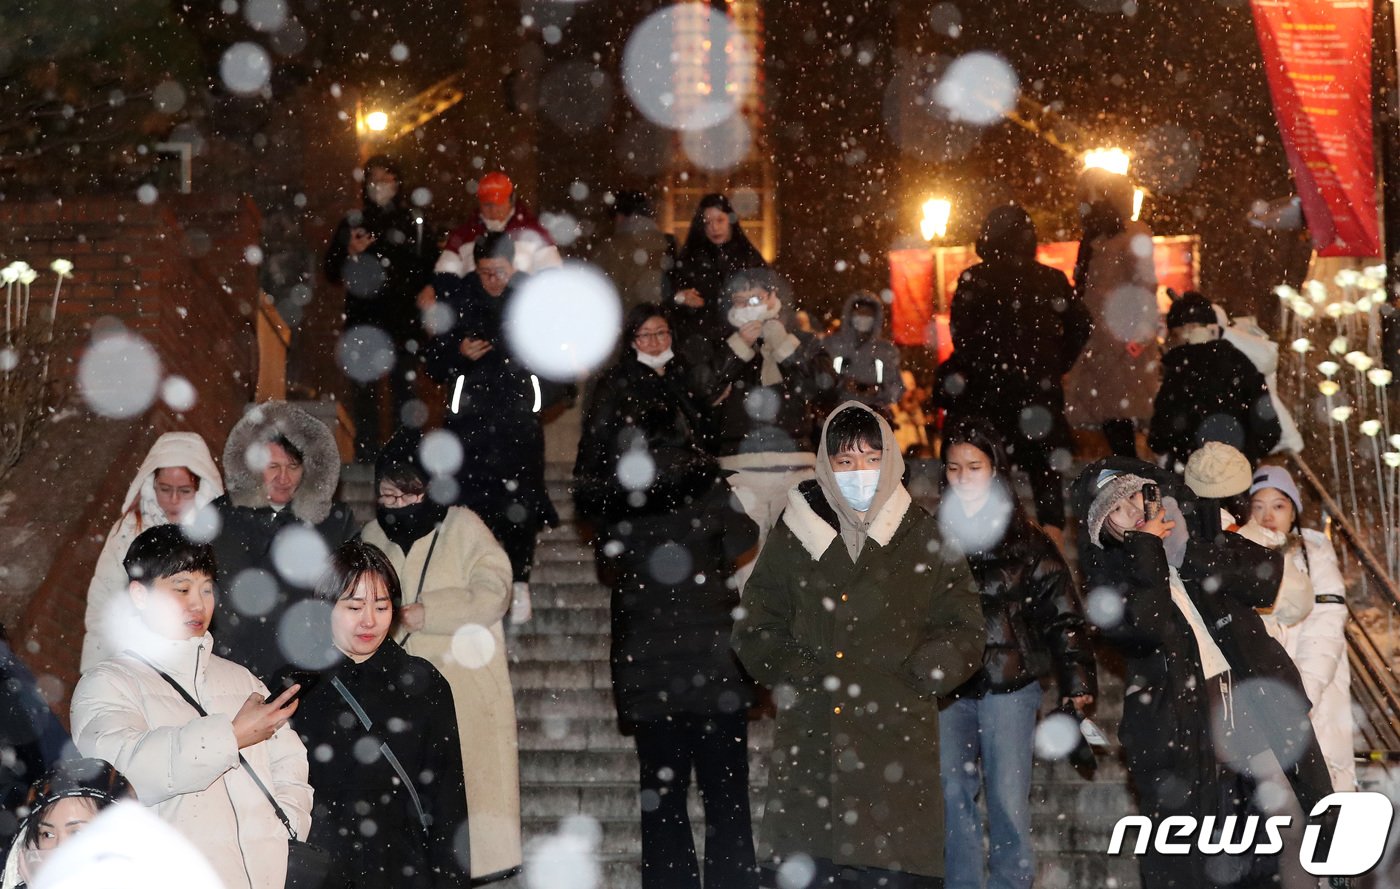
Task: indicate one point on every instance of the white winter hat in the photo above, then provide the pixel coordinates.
(1113, 489)
(1217, 470)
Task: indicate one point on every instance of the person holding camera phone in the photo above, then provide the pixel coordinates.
(199, 737)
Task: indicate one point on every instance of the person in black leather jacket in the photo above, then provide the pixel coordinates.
(1035, 626)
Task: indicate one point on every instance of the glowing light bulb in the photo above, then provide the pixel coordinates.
(1328, 388)
(1371, 428)
(1341, 413)
(1329, 368)
(1379, 376)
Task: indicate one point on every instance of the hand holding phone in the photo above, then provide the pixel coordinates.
(1151, 502)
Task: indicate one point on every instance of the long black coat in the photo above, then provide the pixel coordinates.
(673, 596)
(707, 267)
(1017, 329)
(362, 815)
(250, 613)
(1211, 392)
(382, 283)
(1035, 621)
(496, 414)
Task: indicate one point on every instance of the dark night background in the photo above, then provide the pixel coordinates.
(1180, 85)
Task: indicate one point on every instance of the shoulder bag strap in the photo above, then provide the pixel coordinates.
(422, 578)
(281, 815)
(368, 723)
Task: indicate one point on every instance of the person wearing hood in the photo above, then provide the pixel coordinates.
(456, 592)
(1210, 391)
(494, 409)
(500, 210)
(200, 739)
(715, 249)
(866, 364)
(177, 478)
(668, 538)
(859, 616)
(1311, 622)
(1035, 626)
(1111, 387)
(383, 253)
(767, 385)
(282, 469)
(391, 805)
(59, 805)
(1017, 330)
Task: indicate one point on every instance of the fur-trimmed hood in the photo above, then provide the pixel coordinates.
(185, 450)
(320, 465)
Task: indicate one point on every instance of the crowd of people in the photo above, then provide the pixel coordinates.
(293, 692)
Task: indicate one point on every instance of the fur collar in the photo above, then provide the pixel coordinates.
(321, 464)
(810, 518)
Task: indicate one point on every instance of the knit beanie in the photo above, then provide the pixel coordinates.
(1113, 489)
(1277, 477)
(1191, 308)
(1217, 470)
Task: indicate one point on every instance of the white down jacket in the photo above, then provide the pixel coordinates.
(108, 609)
(1317, 645)
(186, 767)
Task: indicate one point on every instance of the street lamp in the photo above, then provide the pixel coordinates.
(1114, 160)
(377, 121)
(937, 211)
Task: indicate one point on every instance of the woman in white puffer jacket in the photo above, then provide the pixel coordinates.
(177, 478)
(1309, 617)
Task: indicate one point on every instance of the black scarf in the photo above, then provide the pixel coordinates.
(405, 525)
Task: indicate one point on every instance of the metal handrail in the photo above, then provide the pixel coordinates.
(1378, 689)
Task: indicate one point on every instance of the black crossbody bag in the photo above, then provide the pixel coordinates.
(307, 865)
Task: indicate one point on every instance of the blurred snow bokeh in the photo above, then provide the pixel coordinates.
(564, 321)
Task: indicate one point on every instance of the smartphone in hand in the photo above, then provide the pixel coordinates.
(307, 679)
(1151, 501)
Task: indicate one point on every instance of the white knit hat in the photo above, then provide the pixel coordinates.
(1113, 489)
(1217, 470)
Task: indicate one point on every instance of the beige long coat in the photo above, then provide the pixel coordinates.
(465, 593)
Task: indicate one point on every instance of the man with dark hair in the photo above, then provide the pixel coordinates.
(858, 616)
(493, 407)
(383, 253)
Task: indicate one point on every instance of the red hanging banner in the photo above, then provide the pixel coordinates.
(1318, 57)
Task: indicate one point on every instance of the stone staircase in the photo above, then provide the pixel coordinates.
(573, 761)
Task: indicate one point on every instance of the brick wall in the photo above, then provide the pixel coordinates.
(176, 272)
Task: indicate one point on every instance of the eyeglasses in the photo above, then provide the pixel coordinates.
(395, 500)
(654, 336)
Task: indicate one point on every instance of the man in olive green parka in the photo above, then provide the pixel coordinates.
(857, 616)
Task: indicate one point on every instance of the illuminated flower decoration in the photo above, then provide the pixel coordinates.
(1359, 360)
(1395, 441)
(10, 273)
(1341, 413)
(1347, 278)
(1333, 310)
(1392, 459)
(1304, 310)
(1329, 368)
(1285, 293)
(1317, 291)
(62, 267)
(28, 276)
(1330, 388)
(1371, 428)
(1338, 346)
(1374, 273)
(1379, 376)
(1302, 346)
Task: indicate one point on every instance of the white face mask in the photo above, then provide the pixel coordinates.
(858, 487)
(744, 314)
(495, 225)
(382, 193)
(1200, 335)
(655, 362)
(863, 323)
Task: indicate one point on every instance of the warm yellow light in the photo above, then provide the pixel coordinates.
(937, 211)
(1138, 195)
(377, 121)
(1114, 160)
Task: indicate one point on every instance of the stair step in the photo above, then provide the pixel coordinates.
(582, 594)
(548, 572)
(571, 621)
(602, 734)
(528, 647)
(536, 703)
(561, 674)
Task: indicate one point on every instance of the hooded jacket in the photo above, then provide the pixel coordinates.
(108, 609)
(866, 364)
(886, 608)
(185, 766)
(1017, 329)
(257, 593)
(1211, 392)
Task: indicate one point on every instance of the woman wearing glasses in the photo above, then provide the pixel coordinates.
(456, 591)
(668, 533)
